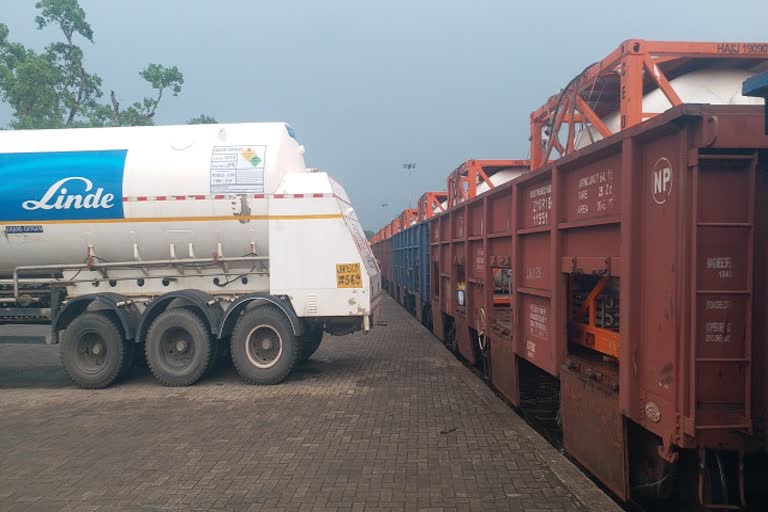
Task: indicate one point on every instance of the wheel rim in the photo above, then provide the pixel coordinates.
(263, 346)
(91, 352)
(177, 348)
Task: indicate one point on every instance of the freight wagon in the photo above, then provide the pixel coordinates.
(626, 273)
(410, 256)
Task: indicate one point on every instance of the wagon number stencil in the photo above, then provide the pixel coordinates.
(661, 181)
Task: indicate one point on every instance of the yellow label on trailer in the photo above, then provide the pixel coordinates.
(348, 275)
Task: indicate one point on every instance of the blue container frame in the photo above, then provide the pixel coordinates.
(757, 87)
(410, 269)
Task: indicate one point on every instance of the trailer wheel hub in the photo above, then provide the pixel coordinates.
(177, 348)
(264, 346)
(91, 352)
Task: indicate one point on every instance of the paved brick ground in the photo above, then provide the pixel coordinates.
(388, 421)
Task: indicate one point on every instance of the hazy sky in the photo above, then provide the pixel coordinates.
(370, 85)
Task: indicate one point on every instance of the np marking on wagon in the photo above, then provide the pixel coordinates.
(662, 180)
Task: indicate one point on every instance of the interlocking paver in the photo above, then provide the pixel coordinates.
(388, 421)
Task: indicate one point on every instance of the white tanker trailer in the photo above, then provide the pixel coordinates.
(181, 241)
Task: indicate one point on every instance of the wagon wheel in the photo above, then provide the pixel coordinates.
(713, 483)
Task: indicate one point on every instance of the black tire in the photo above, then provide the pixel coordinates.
(129, 360)
(310, 342)
(214, 356)
(178, 347)
(216, 344)
(93, 351)
(264, 348)
(222, 353)
(219, 355)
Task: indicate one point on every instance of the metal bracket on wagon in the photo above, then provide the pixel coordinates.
(197, 298)
(127, 313)
(232, 313)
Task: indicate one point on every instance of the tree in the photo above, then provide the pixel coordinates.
(369, 234)
(203, 119)
(29, 83)
(53, 89)
(141, 113)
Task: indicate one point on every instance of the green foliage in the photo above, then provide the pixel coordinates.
(203, 119)
(162, 78)
(67, 15)
(141, 113)
(369, 234)
(28, 83)
(53, 89)
(30, 86)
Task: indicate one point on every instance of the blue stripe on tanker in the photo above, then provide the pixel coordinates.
(76, 185)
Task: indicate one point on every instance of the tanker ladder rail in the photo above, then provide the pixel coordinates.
(29, 290)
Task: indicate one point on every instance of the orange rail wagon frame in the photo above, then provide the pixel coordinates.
(463, 182)
(431, 203)
(618, 83)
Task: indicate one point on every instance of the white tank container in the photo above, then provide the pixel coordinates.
(132, 192)
(498, 178)
(707, 86)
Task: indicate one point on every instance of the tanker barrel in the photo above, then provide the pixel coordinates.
(164, 175)
(757, 87)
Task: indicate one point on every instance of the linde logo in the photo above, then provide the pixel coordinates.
(61, 186)
(59, 197)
